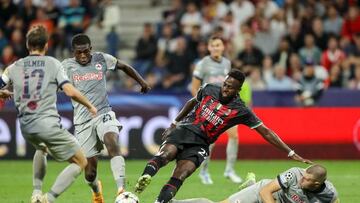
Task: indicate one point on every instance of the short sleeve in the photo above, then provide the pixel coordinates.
(199, 71)
(250, 119)
(201, 92)
(287, 178)
(110, 61)
(61, 77)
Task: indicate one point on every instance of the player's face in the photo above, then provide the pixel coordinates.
(230, 87)
(308, 182)
(216, 48)
(82, 53)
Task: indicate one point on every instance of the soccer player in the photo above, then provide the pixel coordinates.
(200, 122)
(87, 72)
(292, 186)
(36, 79)
(213, 69)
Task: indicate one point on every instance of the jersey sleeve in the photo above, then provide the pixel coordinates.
(287, 178)
(5, 78)
(61, 77)
(201, 92)
(199, 71)
(249, 119)
(110, 61)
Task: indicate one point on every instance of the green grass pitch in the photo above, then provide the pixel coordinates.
(16, 180)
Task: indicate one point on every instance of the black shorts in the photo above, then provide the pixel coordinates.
(190, 146)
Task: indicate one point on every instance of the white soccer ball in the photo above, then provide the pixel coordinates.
(127, 197)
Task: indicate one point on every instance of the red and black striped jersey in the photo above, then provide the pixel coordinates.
(210, 118)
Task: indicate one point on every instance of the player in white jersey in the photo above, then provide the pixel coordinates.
(213, 69)
(295, 185)
(87, 72)
(36, 79)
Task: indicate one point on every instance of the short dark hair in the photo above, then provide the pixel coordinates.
(36, 38)
(80, 39)
(237, 74)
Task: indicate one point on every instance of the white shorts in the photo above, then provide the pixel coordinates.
(60, 144)
(91, 134)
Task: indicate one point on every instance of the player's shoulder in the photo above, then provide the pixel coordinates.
(69, 63)
(210, 89)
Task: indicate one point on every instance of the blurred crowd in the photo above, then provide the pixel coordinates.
(301, 45)
(280, 45)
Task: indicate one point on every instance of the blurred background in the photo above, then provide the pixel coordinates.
(301, 59)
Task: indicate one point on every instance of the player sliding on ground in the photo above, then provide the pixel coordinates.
(87, 72)
(200, 122)
(36, 79)
(292, 186)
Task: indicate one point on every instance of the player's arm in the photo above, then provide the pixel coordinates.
(130, 71)
(186, 109)
(5, 94)
(195, 85)
(275, 140)
(183, 112)
(72, 92)
(267, 191)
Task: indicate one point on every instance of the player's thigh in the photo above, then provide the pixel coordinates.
(88, 139)
(232, 132)
(61, 144)
(35, 141)
(194, 153)
(250, 194)
(107, 123)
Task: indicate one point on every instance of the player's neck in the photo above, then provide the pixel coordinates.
(216, 58)
(37, 52)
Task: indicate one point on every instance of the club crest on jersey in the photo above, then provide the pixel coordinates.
(98, 66)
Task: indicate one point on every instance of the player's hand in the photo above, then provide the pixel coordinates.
(167, 131)
(145, 88)
(6, 94)
(296, 157)
(93, 111)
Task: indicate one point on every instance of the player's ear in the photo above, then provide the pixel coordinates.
(90, 47)
(46, 47)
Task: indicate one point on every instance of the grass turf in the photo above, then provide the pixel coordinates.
(16, 180)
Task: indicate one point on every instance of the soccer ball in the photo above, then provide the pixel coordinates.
(127, 197)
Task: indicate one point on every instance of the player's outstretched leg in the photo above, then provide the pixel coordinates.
(204, 174)
(117, 162)
(166, 153)
(183, 169)
(250, 180)
(231, 155)
(39, 171)
(77, 163)
(195, 200)
(92, 181)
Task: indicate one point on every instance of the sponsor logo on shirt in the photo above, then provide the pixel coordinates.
(210, 116)
(296, 198)
(88, 76)
(98, 66)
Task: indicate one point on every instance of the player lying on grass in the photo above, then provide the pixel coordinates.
(201, 121)
(292, 186)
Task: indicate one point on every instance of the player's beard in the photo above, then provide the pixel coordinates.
(225, 100)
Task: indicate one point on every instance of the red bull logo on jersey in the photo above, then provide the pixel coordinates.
(296, 198)
(88, 76)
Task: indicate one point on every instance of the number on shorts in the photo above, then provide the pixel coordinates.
(106, 118)
(203, 153)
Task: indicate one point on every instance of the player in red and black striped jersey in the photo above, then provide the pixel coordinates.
(200, 122)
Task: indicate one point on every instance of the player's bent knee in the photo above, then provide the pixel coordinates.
(79, 159)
